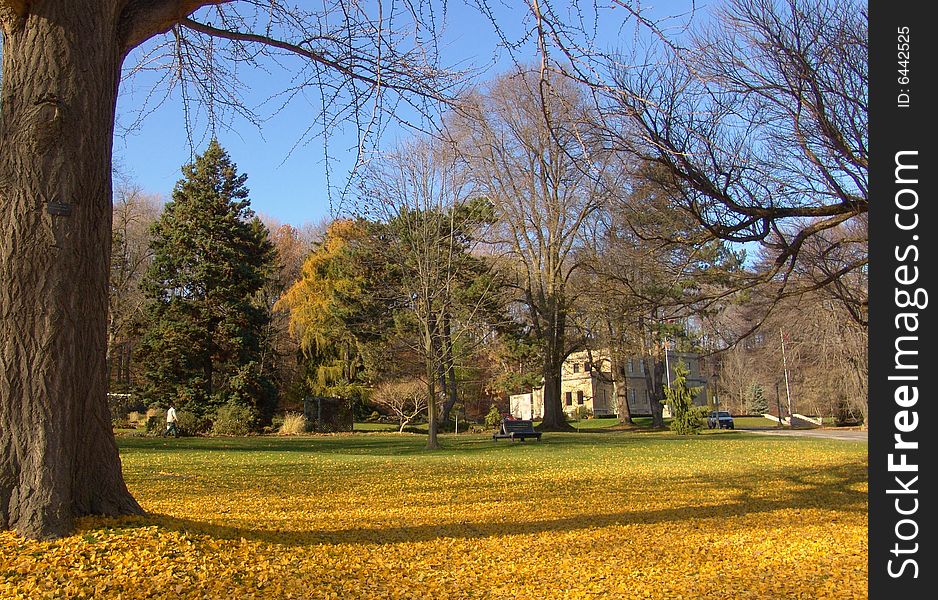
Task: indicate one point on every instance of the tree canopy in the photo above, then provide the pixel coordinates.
(202, 344)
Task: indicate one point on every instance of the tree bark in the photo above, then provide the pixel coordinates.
(553, 408)
(432, 421)
(554, 355)
(620, 380)
(58, 458)
(654, 369)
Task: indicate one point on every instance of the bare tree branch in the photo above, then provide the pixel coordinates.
(374, 79)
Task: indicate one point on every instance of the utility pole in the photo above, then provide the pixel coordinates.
(785, 368)
(667, 365)
(667, 371)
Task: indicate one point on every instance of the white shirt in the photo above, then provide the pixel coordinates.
(171, 415)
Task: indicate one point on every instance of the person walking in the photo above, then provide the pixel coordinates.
(171, 427)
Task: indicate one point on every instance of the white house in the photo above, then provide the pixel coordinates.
(589, 384)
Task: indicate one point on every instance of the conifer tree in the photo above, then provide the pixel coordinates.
(202, 346)
(758, 404)
(686, 419)
(339, 304)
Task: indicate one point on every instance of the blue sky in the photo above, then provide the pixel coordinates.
(288, 183)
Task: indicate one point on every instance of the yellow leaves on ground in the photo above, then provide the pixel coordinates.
(372, 516)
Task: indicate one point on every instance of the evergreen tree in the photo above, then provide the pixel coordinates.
(686, 416)
(202, 344)
(758, 404)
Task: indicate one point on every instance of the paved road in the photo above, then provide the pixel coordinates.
(831, 434)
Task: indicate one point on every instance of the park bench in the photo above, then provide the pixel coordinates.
(516, 429)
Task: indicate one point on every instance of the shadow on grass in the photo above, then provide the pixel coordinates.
(392, 444)
(833, 488)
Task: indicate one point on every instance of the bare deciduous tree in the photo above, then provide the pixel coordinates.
(406, 399)
(756, 117)
(421, 192)
(737, 376)
(653, 267)
(133, 214)
(544, 186)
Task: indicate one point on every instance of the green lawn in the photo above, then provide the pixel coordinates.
(366, 426)
(375, 515)
(743, 422)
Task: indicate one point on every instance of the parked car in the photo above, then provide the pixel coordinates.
(721, 419)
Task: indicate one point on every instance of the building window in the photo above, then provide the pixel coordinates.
(569, 398)
(579, 397)
(632, 397)
(587, 367)
(576, 367)
(630, 366)
(641, 367)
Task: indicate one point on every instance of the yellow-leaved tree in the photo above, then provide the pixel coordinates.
(330, 312)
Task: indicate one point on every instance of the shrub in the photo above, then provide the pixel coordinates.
(234, 419)
(155, 420)
(294, 423)
(189, 424)
(155, 424)
(137, 418)
(494, 418)
(275, 422)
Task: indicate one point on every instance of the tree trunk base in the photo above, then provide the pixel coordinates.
(40, 523)
(61, 479)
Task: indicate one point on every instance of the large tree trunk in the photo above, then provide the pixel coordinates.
(654, 369)
(554, 355)
(58, 458)
(554, 418)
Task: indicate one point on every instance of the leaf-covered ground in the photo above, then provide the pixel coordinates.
(592, 515)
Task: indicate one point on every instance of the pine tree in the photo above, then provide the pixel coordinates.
(686, 416)
(202, 345)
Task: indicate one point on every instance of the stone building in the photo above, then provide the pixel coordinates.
(590, 385)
